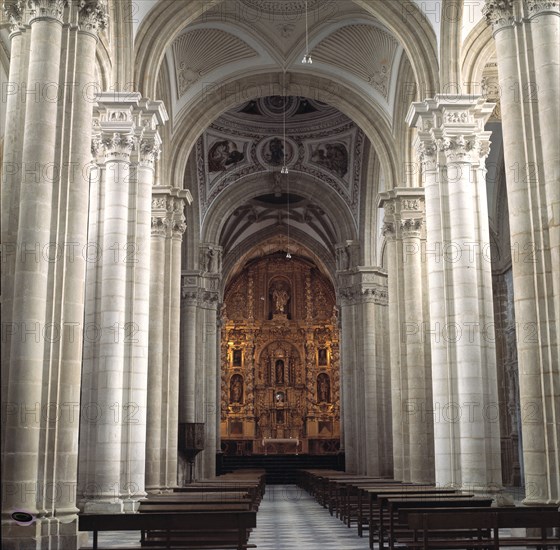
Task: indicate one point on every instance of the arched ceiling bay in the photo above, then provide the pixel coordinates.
(347, 45)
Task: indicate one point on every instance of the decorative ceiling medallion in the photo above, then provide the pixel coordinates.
(272, 152)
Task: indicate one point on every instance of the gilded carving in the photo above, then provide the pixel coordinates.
(288, 369)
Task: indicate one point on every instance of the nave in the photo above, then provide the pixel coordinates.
(290, 518)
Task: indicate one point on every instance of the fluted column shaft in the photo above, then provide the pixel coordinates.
(74, 193)
(11, 181)
(363, 297)
(530, 112)
(168, 226)
(410, 359)
(27, 361)
(467, 447)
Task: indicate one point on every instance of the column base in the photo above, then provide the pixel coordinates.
(42, 534)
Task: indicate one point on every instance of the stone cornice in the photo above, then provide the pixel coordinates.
(499, 14)
(92, 16)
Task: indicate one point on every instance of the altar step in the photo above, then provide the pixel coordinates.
(280, 469)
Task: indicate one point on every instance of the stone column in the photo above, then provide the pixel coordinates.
(106, 494)
(410, 359)
(467, 446)
(187, 378)
(209, 306)
(156, 382)
(149, 116)
(364, 380)
(11, 176)
(112, 473)
(168, 226)
(529, 100)
(544, 26)
(23, 430)
(200, 370)
(74, 194)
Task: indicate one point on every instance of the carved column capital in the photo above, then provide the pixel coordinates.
(538, 7)
(149, 151)
(160, 226)
(411, 227)
(178, 219)
(499, 13)
(168, 213)
(14, 11)
(388, 230)
(358, 294)
(47, 9)
(118, 146)
(92, 16)
(457, 148)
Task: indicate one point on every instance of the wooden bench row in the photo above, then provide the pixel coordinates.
(211, 514)
(381, 506)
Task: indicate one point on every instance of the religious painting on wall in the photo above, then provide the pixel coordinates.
(333, 157)
(223, 154)
(276, 151)
(236, 359)
(322, 356)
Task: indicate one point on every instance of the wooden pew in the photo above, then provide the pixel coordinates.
(389, 526)
(199, 529)
(442, 528)
(374, 509)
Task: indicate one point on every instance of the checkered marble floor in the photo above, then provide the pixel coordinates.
(289, 519)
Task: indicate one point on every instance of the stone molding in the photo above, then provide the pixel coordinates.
(499, 14)
(47, 9)
(92, 16)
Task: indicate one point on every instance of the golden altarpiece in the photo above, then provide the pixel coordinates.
(280, 386)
